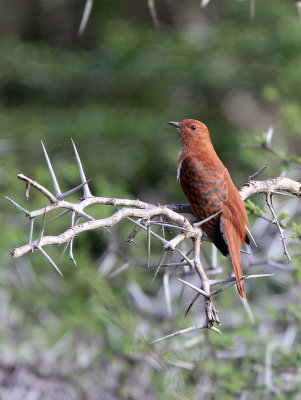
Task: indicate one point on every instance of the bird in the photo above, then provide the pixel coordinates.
(209, 189)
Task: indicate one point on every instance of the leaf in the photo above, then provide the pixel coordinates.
(252, 207)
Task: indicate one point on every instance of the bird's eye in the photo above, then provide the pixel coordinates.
(193, 127)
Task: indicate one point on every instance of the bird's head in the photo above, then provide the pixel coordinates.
(191, 131)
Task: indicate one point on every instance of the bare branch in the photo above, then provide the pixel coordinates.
(141, 214)
(251, 177)
(39, 187)
(280, 229)
(281, 183)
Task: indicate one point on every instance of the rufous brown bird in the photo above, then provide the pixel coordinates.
(209, 189)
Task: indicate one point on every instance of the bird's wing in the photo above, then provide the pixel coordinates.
(209, 189)
(233, 223)
(206, 191)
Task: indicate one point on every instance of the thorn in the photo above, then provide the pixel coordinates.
(71, 191)
(168, 226)
(86, 189)
(213, 328)
(204, 3)
(52, 174)
(38, 247)
(18, 207)
(246, 252)
(250, 234)
(200, 291)
(159, 265)
(187, 330)
(166, 286)
(148, 246)
(298, 5)
(71, 256)
(85, 17)
(153, 12)
(60, 215)
(221, 289)
(27, 190)
(31, 230)
(233, 281)
(207, 219)
(282, 194)
(87, 216)
(119, 270)
(248, 309)
(269, 136)
(213, 256)
(74, 220)
(152, 233)
(192, 303)
(42, 227)
(189, 262)
(65, 248)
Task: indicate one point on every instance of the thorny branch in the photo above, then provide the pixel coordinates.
(143, 215)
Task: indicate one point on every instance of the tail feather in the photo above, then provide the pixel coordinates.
(234, 241)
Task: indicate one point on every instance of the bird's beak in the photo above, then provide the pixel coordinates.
(176, 124)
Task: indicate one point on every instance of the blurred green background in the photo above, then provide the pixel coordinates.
(112, 90)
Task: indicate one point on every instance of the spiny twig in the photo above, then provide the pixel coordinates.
(187, 330)
(142, 215)
(280, 229)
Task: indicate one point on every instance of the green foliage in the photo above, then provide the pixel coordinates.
(253, 208)
(296, 227)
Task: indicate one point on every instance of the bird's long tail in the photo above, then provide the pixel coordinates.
(234, 241)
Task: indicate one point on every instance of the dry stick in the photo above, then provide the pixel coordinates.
(120, 269)
(270, 205)
(251, 177)
(136, 229)
(140, 210)
(114, 219)
(211, 312)
(280, 183)
(151, 232)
